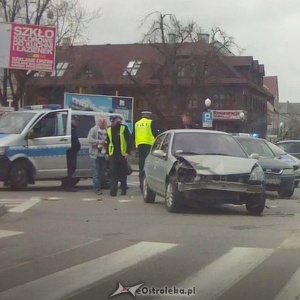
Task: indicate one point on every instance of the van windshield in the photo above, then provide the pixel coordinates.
(14, 123)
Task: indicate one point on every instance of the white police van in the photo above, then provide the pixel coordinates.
(34, 140)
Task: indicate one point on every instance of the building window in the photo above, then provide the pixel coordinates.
(60, 69)
(219, 101)
(180, 72)
(132, 67)
(39, 74)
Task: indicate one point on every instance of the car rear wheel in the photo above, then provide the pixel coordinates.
(286, 193)
(148, 194)
(255, 204)
(173, 196)
(19, 176)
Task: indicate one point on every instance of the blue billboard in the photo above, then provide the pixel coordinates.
(102, 103)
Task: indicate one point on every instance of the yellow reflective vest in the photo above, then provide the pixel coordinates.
(143, 133)
(122, 141)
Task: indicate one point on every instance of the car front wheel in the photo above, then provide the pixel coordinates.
(286, 193)
(19, 176)
(255, 204)
(173, 196)
(148, 194)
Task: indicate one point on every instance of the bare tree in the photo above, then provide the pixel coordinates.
(185, 60)
(69, 17)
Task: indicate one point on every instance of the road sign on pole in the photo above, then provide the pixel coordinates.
(207, 118)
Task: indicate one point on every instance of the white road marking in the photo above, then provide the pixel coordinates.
(60, 284)
(52, 198)
(125, 201)
(90, 199)
(25, 205)
(293, 242)
(6, 233)
(291, 290)
(213, 280)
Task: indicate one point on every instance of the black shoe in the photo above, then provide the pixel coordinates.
(113, 194)
(69, 189)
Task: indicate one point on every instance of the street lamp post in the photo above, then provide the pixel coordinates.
(281, 124)
(207, 116)
(242, 117)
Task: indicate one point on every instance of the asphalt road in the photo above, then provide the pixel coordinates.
(81, 246)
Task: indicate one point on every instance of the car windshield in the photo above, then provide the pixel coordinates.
(203, 143)
(276, 150)
(14, 123)
(256, 146)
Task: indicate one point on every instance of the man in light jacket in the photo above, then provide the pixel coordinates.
(97, 149)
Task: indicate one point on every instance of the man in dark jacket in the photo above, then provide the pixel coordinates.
(119, 144)
(186, 120)
(72, 157)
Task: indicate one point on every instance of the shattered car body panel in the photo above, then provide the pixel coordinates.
(215, 173)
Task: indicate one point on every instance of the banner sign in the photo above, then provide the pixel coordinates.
(227, 114)
(27, 47)
(102, 103)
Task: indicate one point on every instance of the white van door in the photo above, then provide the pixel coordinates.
(51, 137)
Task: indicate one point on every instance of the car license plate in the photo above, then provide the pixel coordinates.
(272, 180)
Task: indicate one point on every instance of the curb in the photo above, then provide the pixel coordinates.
(3, 210)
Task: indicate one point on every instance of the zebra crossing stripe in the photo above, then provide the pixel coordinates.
(214, 279)
(60, 284)
(291, 290)
(6, 233)
(25, 205)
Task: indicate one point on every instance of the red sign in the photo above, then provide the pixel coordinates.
(32, 47)
(227, 114)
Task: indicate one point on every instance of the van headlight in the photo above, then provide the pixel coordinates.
(2, 150)
(257, 174)
(288, 172)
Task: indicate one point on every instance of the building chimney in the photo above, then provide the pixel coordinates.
(172, 38)
(204, 37)
(66, 42)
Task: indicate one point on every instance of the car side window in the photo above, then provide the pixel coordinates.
(49, 125)
(166, 143)
(157, 143)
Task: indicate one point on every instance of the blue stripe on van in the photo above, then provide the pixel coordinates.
(43, 152)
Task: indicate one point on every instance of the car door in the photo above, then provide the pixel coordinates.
(151, 164)
(85, 123)
(47, 143)
(162, 165)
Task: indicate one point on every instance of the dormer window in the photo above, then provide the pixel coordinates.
(132, 67)
(60, 69)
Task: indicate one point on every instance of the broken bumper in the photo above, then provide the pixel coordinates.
(221, 186)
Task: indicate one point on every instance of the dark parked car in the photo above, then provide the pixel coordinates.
(279, 175)
(291, 146)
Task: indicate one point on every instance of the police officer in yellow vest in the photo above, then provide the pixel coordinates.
(144, 134)
(119, 144)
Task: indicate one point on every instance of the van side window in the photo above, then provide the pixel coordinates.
(85, 123)
(50, 125)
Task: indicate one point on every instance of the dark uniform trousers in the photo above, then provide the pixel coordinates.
(118, 172)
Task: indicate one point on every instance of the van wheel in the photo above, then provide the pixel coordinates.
(19, 178)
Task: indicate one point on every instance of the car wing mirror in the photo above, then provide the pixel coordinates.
(254, 155)
(29, 135)
(159, 153)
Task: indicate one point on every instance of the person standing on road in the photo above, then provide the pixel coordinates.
(97, 149)
(144, 134)
(72, 156)
(119, 146)
(186, 120)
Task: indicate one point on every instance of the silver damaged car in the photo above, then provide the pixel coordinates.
(206, 166)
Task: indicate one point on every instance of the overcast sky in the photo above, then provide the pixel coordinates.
(267, 29)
